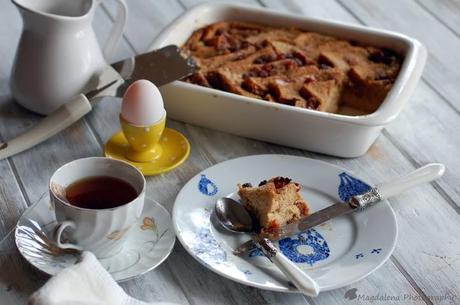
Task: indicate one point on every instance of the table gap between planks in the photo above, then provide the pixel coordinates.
(426, 262)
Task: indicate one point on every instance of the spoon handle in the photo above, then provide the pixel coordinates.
(299, 278)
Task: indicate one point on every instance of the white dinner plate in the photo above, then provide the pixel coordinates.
(336, 253)
(149, 244)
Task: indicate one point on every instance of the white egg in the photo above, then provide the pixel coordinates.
(142, 104)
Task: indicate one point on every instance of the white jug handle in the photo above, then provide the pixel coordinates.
(117, 29)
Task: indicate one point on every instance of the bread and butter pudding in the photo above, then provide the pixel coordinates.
(273, 203)
(292, 67)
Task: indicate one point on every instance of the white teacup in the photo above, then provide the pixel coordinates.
(101, 231)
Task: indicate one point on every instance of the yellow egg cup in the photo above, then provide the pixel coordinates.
(152, 149)
(143, 140)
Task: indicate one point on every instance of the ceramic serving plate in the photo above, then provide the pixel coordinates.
(150, 242)
(334, 134)
(336, 253)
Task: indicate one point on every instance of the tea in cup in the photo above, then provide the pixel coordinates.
(97, 200)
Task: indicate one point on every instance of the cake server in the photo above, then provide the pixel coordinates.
(358, 203)
(161, 66)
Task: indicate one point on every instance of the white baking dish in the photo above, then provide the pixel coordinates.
(333, 134)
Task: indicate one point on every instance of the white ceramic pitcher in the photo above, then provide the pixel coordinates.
(58, 55)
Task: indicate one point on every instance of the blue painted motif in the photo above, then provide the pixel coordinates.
(359, 255)
(290, 247)
(247, 272)
(207, 248)
(311, 238)
(206, 186)
(376, 251)
(350, 186)
(255, 252)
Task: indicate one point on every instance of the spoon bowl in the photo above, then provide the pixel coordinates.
(233, 216)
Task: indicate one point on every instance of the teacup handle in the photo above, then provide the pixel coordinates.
(58, 232)
(117, 29)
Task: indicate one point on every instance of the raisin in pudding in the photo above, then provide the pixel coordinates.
(273, 203)
(292, 67)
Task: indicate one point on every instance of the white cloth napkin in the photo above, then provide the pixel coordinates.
(85, 283)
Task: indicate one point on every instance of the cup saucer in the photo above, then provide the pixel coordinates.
(175, 150)
(150, 243)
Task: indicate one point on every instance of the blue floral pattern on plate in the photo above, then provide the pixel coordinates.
(291, 247)
(374, 251)
(350, 186)
(255, 252)
(207, 248)
(311, 239)
(206, 186)
(205, 244)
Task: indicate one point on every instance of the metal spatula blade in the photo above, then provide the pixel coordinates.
(160, 66)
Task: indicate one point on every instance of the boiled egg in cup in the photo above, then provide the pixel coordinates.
(144, 141)
(142, 120)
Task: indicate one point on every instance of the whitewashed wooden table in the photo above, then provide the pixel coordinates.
(425, 266)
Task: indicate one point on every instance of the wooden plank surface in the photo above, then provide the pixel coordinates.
(446, 12)
(17, 278)
(34, 167)
(435, 271)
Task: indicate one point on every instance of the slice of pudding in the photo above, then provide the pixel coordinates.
(273, 203)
